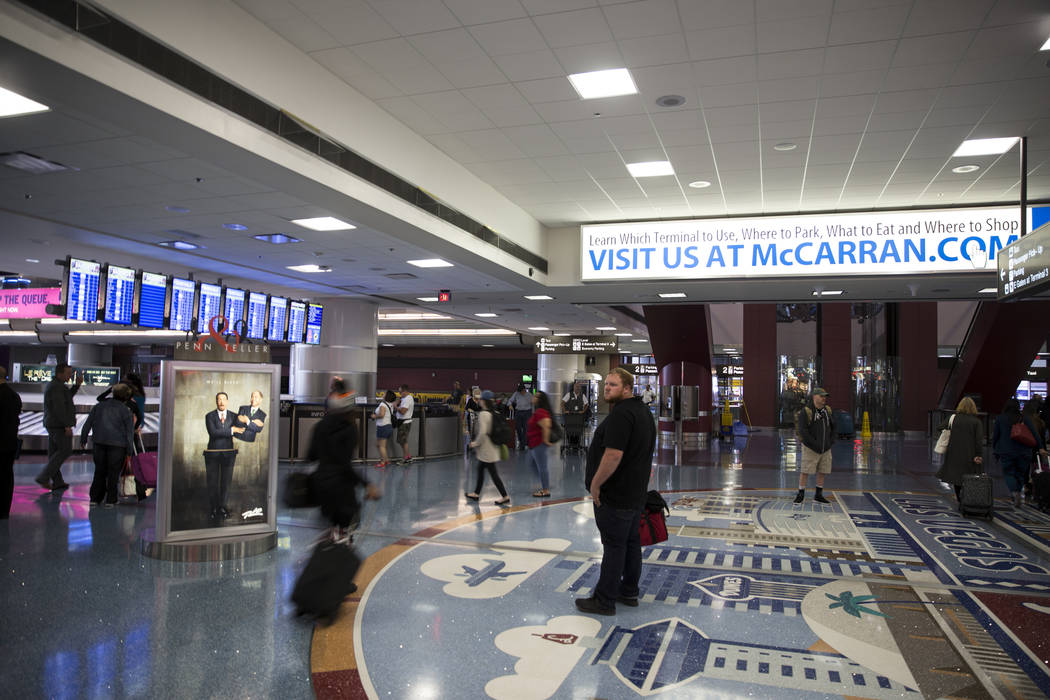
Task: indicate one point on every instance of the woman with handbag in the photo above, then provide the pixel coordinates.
(965, 445)
(1013, 438)
(487, 451)
(384, 425)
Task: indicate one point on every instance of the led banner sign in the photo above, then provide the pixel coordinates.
(28, 303)
(1024, 266)
(577, 344)
(876, 243)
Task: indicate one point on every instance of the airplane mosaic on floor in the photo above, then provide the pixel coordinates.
(877, 595)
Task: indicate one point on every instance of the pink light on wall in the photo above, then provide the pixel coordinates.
(28, 303)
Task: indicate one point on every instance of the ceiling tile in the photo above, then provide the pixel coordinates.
(562, 168)
(868, 25)
(456, 149)
(894, 121)
(493, 143)
(485, 11)
(995, 42)
(739, 155)
(938, 48)
(704, 44)
(503, 104)
(714, 13)
(846, 106)
(536, 141)
(654, 50)
(644, 18)
(725, 71)
(415, 16)
(637, 140)
(453, 110)
(729, 95)
(833, 149)
(774, 10)
(788, 89)
(905, 101)
(733, 133)
(574, 28)
(732, 116)
(510, 172)
(853, 58)
(786, 131)
(410, 114)
(270, 9)
(850, 124)
(472, 72)
(851, 83)
(795, 110)
(540, 7)
(792, 35)
(510, 37)
(683, 137)
(402, 65)
(530, 66)
(547, 90)
(988, 70)
(1017, 12)
(447, 46)
(580, 59)
(933, 16)
(349, 21)
(931, 75)
(790, 64)
(304, 33)
(356, 73)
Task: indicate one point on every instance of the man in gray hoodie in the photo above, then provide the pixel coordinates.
(59, 418)
(113, 428)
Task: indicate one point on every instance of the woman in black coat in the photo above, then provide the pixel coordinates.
(965, 446)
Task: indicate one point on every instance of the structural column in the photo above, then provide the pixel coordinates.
(760, 363)
(917, 345)
(834, 344)
(681, 339)
(347, 349)
(555, 375)
(89, 354)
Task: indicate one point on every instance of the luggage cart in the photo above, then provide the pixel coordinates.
(575, 424)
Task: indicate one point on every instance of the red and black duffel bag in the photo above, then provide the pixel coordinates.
(653, 526)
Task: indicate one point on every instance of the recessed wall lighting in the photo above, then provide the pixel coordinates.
(427, 299)
(671, 295)
(538, 297)
(430, 262)
(785, 146)
(699, 184)
(653, 168)
(988, 290)
(827, 292)
(486, 315)
(235, 227)
(32, 260)
(538, 328)
(12, 104)
(310, 268)
(605, 328)
(985, 147)
(963, 169)
(603, 83)
(277, 238)
(324, 223)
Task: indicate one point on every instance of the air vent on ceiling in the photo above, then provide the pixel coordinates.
(401, 276)
(510, 311)
(34, 165)
(670, 101)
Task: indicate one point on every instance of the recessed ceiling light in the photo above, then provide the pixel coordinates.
(538, 328)
(277, 238)
(827, 292)
(388, 345)
(671, 295)
(428, 299)
(12, 104)
(670, 101)
(1045, 46)
(605, 328)
(235, 227)
(538, 297)
(179, 245)
(603, 83)
(963, 169)
(310, 268)
(32, 260)
(430, 262)
(178, 209)
(984, 147)
(488, 346)
(34, 165)
(699, 184)
(624, 335)
(324, 223)
(563, 335)
(654, 168)
(639, 340)
(785, 146)
(444, 331)
(988, 290)
(486, 315)
(418, 316)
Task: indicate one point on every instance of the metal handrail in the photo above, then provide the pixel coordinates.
(961, 349)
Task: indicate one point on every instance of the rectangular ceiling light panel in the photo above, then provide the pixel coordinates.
(984, 147)
(655, 168)
(12, 104)
(603, 83)
(324, 223)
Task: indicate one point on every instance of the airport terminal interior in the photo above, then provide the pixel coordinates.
(265, 214)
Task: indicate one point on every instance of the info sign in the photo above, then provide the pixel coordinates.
(571, 345)
(915, 242)
(28, 303)
(1024, 266)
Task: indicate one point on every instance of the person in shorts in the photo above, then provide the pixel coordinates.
(405, 408)
(384, 425)
(814, 428)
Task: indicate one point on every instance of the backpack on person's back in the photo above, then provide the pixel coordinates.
(500, 432)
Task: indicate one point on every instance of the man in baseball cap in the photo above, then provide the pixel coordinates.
(814, 428)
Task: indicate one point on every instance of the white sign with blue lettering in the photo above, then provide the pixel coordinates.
(876, 243)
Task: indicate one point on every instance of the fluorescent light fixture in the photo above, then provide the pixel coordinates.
(988, 290)
(538, 297)
(412, 317)
(538, 328)
(277, 238)
(323, 223)
(603, 83)
(235, 227)
(428, 299)
(12, 104)
(963, 169)
(173, 335)
(1045, 46)
(785, 146)
(444, 331)
(488, 346)
(605, 328)
(827, 292)
(388, 345)
(639, 340)
(179, 245)
(430, 262)
(671, 295)
(563, 335)
(486, 315)
(624, 335)
(699, 184)
(32, 260)
(310, 268)
(654, 168)
(984, 147)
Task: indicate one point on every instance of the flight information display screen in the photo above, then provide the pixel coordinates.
(256, 315)
(313, 324)
(275, 321)
(120, 294)
(233, 310)
(181, 316)
(209, 306)
(152, 295)
(296, 321)
(82, 290)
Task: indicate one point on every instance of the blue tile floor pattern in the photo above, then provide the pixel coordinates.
(750, 596)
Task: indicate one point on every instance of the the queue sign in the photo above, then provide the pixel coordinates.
(571, 345)
(1024, 266)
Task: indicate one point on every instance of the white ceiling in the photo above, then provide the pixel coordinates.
(875, 94)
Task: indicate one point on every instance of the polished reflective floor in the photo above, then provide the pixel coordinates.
(885, 592)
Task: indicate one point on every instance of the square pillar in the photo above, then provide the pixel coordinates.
(760, 363)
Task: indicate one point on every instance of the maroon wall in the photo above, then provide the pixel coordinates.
(760, 363)
(835, 348)
(680, 334)
(920, 380)
(434, 369)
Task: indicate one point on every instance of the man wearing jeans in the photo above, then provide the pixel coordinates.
(618, 464)
(59, 418)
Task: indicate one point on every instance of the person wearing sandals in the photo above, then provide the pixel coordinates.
(537, 436)
(384, 425)
(487, 451)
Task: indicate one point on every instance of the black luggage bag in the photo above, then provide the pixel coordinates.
(976, 496)
(327, 579)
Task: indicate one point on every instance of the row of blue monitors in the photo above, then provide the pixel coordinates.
(265, 317)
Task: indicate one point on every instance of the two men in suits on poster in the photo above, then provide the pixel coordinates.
(220, 455)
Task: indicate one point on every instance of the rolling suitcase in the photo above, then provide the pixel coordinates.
(976, 496)
(844, 424)
(327, 579)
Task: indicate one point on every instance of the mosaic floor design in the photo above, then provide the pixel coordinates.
(876, 595)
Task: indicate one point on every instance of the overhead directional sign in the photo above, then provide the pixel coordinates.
(568, 345)
(1024, 266)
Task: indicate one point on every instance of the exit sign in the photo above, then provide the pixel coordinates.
(444, 296)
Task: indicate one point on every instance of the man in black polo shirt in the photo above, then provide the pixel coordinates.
(618, 464)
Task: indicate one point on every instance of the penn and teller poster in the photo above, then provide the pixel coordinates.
(218, 449)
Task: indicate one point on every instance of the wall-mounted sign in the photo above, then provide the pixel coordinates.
(209, 349)
(28, 303)
(42, 374)
(645, 370)
(1024, 266)
(877, 243)
(576, 344)
(731, 371)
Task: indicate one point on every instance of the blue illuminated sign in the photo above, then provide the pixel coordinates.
(256, 315)
(120, 294)
(296, 321)
(152, 295)
(313, 324)
(277, 317)
(181, 316)
(82, 290)
(209, 306)
(234, 308)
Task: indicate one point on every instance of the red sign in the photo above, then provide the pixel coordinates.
(28, 303)
(444, 295)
